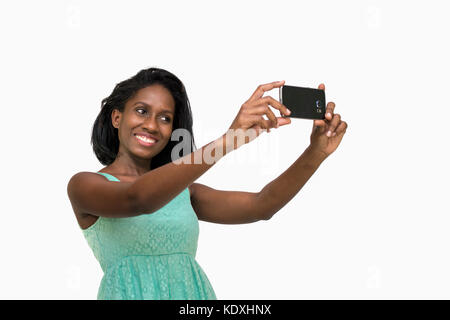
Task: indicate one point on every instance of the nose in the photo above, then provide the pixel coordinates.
(151, 124)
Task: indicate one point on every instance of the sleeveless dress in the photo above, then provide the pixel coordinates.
(150, 256)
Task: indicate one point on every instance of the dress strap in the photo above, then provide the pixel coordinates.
(108, 176)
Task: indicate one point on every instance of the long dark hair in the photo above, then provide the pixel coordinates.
(105, 140)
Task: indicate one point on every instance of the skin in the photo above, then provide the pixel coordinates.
(327, 134)
(218, 206)
(152, 111)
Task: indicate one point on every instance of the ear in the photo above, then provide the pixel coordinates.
(116, 115)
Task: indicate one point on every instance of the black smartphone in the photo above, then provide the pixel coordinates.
(304, 103)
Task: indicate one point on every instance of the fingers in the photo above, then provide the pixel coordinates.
(259, 121)
(270, 101)
(255, 120)
(336, 126)
(278, 105)
(330, 105)
(261, 107)
(259, 92)
(283, 121)
(330, 110)
(261, 110)
(333, 124)
(342, 127)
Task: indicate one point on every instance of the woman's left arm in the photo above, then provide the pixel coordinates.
(326, 136)
(234, 207)
(237, 207)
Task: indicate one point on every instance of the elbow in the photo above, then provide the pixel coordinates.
(269, 213)
(267, 216)
(264, 210)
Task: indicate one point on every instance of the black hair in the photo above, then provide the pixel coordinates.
(105, 140)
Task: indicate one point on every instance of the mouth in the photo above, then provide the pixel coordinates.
(144, 141)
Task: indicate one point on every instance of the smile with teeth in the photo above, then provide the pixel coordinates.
(145, 139)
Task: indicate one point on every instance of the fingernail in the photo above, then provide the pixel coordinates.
(329, 114)
(288, 111)
(329, 134)
(334, 133)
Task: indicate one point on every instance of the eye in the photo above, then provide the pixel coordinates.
(141, 109)
(167, 119)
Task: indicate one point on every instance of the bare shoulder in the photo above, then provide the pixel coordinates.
(82, 180)
(86, 175)
(93, 194)
(77, 182)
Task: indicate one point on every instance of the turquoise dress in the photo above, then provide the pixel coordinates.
(150, 256)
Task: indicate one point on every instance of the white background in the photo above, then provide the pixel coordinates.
(372, 222)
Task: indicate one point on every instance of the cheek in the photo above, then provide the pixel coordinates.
(168, 130)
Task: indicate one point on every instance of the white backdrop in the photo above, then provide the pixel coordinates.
(372, 222)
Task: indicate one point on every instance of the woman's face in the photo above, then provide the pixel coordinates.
(150, 111)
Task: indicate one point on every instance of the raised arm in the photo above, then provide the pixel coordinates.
(156, 188)
(280, 191)
(89, 193)
(238, 207)
(93, 194)
(326, 136)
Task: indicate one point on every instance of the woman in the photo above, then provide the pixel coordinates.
(144, 229)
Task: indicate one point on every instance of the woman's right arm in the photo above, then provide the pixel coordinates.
(92, 194)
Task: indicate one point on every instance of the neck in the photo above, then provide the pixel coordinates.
(129, 166)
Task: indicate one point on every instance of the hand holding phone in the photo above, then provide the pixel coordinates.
(250, 118)
(327, 133)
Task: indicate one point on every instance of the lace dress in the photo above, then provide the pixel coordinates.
(150, 256)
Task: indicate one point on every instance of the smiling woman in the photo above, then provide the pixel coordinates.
(151, 92)
(143, 256)
(142, 220)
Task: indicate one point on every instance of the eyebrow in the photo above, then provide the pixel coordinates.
(147, 105)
